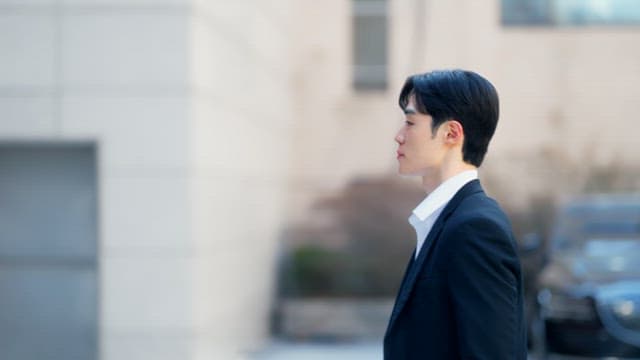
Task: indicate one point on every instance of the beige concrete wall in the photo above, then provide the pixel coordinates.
(116, 74)
(240, 152)
(189, 105)
(339, 133)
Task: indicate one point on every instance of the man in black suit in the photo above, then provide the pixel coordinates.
(461, 296)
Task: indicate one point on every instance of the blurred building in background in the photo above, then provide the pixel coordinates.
(566, 72)
(143, 162)
(152, 151)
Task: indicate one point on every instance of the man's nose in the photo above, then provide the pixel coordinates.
(400, 137)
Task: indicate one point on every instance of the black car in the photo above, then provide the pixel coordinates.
(589, 291)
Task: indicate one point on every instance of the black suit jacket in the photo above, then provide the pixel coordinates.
(462, 298)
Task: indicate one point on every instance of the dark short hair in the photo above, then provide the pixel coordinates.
(457, 95)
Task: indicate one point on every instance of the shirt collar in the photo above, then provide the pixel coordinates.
(443, 193)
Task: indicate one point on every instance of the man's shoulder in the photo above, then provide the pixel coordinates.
(478, 211)
(478, 207)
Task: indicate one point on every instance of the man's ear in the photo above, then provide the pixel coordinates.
(454, 132)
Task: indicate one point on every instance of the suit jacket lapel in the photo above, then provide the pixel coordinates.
(402, 285)
(412, 272)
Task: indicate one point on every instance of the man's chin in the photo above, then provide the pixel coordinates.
(409, 172)
(404, 172)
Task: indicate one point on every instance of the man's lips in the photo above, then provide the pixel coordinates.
(399, 154)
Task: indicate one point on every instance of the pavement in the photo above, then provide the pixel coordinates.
(320, 351)
(282, 350)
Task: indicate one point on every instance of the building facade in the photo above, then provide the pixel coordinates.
(567, 88)
(157, 133)
(151, 151)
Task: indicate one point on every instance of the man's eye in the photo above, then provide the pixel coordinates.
(408, 123)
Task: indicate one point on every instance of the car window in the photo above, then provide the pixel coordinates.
(578, 224)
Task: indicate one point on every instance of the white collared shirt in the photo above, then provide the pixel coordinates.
(426, 213)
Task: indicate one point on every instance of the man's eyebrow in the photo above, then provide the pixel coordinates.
(409, 111)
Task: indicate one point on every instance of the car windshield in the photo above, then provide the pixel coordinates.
(579, 226)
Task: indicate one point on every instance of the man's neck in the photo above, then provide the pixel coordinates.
(432, 181)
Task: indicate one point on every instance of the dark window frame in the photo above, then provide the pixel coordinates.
(566, 13)
(370, 76)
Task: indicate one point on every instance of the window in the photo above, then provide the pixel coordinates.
(370, 44)
(48, 252)
(570, 12)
